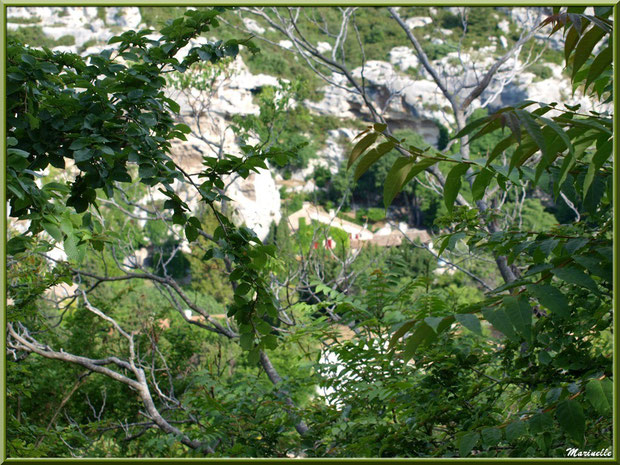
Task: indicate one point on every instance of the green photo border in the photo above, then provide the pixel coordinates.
(3, 224)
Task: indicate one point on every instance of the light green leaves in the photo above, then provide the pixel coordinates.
(52, 230)
(74, 252)
(600, 395)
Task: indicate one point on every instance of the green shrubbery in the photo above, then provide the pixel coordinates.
(35, 35)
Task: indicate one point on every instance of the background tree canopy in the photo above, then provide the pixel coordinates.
(444, 291)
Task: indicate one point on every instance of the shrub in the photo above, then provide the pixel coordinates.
(541, 71)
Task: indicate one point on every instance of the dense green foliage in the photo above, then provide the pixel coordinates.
(171, 331)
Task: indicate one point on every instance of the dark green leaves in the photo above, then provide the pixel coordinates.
(514, 430)
(453, 184)
(569, 414)
(467, 443)
(395, 179)
(423, 334)
(480, 184)
(191, 233)
(500, 321)
(533, 129)
(552, 298)
(361, 146)
(371, 157)
(585, 46)
(470, 321)
(491, 437)
(519, 313)
(573, 275)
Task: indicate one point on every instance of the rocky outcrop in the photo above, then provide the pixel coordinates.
(256, 200)
(400, 88)
(85, 24)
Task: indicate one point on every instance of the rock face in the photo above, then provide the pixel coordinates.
(85, 24)
(256, 200)
(401, 89)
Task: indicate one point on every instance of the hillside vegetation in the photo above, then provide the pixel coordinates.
(326, 232)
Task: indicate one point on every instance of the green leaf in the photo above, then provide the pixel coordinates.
(600, 395)
(18, 152)
(400, 332)
(17, 245)
(371, 157)
(195, 222)
(533, 129)
(453, 184)
(585, 46)
(184, 128)
(243, 289)
(594, 266)
(467, 443)
(270, 341)
(470, 321)
(74, 252)
(66, 226)
(544, 357)
(419, 167)
(361, 146)
(500, 148)
(52, 230)
(500, 321)
(540, 423)
(470, 127)
(601, 63)
(28, 59)
(514, 430)
(519, 312)
(559, 132)
(423, 334)
(433, 321)
(79, 143)
(246, 340)
(191, 233)
(480, 184)
(570, 417)
(395, 179)
(550, 297)
(603, 152)
(178, 218)
(491, 437)
(573, 275)
(83, 155)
